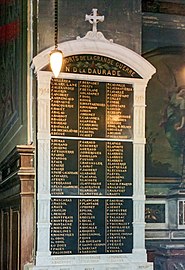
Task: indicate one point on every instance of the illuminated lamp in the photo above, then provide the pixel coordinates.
(56, 55)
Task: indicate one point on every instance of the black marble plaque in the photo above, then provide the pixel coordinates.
(64, 107)
(91, 109)
(119, 231)
(64, 167)
(91, 168)
(119, 110)
(119, 168)
(63, 232)
(91, 226)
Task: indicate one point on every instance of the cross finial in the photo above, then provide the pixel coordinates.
(94, 19)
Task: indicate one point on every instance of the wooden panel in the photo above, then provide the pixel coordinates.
(5, 241)
(26, 235)
(15, 239)
(16, 206)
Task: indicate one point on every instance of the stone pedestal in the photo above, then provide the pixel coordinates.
(170, 257)
(110, 264)
(176, 204)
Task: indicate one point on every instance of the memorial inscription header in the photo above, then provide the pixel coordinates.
(95, 65)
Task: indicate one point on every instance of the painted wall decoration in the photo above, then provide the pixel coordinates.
(165, 123)
(155, 213)
(9, 63)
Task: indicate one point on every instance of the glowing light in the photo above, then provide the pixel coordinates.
(56, 58)
(56, 55)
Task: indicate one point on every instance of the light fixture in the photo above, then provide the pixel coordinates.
(56, 55)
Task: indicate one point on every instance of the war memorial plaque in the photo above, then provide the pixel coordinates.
(90, 156)
(91, 167)
(91, 109)
(91, 226)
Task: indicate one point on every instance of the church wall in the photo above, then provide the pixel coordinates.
(124, 27)
(162, 30)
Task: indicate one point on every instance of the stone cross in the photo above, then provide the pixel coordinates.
(94, 19)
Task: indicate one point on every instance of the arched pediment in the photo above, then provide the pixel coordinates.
(98, 46)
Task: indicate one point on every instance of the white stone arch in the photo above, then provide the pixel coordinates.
(101, 46)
